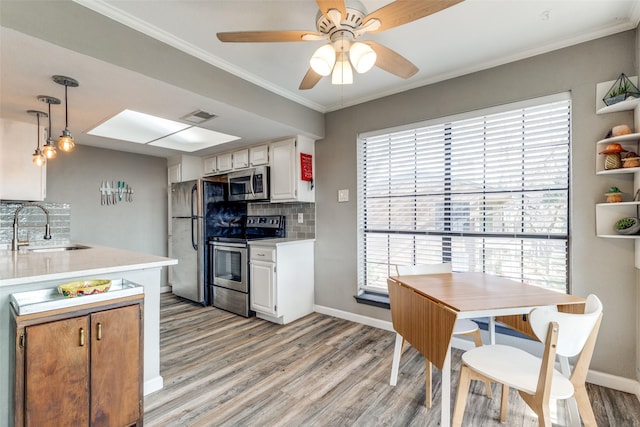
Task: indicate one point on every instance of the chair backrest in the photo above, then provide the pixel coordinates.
(407, 270)
(574, 329)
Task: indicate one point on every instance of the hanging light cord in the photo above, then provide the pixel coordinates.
(66, 108)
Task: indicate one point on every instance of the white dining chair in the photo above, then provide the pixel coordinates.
(461, 327)
(536, 379)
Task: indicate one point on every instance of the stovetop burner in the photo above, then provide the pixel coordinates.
(256, 228)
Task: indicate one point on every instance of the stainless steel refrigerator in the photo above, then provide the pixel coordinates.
(190, 201)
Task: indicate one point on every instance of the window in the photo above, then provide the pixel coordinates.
(486, 191)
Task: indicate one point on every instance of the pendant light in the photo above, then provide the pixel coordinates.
(49, 148)
(38, 158)
(65, 142)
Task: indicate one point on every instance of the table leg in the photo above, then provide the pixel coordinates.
(395, 364)
(445, 416)
(492, 330)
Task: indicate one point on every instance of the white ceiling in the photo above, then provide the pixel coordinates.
(468, 37)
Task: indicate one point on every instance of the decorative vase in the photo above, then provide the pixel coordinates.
(612, 161)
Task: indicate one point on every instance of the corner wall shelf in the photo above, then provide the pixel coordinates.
(607, 214)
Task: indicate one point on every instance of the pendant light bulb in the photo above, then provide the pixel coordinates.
(38, 158)
(49, 148)
(65, 142)
(323, 60)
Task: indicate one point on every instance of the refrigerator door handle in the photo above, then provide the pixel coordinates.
(194, 218)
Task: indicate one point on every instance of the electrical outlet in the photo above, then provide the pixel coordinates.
(300, 218)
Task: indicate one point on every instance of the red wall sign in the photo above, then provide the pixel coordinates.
(306, 163)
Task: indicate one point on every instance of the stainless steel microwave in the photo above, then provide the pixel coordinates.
(249, 184)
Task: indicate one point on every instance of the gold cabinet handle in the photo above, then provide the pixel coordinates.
(81, 337)
(99, 331)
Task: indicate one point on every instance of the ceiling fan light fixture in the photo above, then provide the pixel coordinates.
(342, 73)
(323, 60)
(362, 57)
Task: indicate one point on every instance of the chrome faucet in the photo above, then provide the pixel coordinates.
(15, 243)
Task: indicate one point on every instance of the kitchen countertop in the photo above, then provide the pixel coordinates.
(279, 241)
(22, 267)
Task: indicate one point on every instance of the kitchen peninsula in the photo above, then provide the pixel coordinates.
(26, 270)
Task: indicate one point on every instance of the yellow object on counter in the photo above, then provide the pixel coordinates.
(84, 287)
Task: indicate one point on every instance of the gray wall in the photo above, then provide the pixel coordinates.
(139, 226)
(601, 266)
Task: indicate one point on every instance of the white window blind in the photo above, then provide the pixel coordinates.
(487, 192)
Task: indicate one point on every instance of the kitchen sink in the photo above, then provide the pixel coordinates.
(72, 247)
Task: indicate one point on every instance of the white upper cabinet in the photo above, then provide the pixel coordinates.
(225, 162)
(259, 155)
(209, 165)
(20, 179)
(184, 168)
(292, 166)
(241, 159)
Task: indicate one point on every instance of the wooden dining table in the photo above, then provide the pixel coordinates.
(424, 309)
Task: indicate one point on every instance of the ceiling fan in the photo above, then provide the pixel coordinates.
(342, 24)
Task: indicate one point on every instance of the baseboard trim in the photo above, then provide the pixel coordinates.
(594, 377)
(153, 384)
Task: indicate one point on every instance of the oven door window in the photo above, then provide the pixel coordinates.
(230, 268)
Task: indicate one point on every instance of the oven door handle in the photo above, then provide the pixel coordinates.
(194, 218)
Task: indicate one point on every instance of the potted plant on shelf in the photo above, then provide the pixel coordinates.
(621, 90)
(614, 195)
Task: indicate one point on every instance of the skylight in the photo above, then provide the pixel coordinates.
(141, 128)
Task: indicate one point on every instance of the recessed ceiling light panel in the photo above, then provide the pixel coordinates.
(193, 139)
(140, 128)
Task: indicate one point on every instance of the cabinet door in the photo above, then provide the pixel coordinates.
(263, 287)
(241, 159)
(20, 179)
(115, 366)
(57, 373)
(209, 165)
(259, 155)
(175, 174)
(283, 170)
(224, 162)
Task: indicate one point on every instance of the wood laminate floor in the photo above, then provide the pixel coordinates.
(220, 369)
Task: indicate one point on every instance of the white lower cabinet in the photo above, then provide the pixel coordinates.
(281, 279)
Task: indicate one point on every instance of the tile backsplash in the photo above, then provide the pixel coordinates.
(295, 230)
(31, 222)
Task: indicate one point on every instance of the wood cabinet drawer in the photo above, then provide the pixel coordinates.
(260, 253)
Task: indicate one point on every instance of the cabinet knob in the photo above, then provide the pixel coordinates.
(99, 336)
(81, 337)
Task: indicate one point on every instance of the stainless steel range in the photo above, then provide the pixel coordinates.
(229, 280)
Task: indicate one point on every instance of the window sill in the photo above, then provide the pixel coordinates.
(374, 299)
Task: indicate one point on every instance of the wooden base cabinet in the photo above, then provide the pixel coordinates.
(81, 367)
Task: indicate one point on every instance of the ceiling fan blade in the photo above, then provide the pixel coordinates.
(326, 5)
(309, 80)
(392, 61)
(266, 36)
(404, 11)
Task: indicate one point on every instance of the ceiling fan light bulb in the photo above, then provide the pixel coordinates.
(362, 57)
(323, 60)
(65, 142)
(342, 73)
